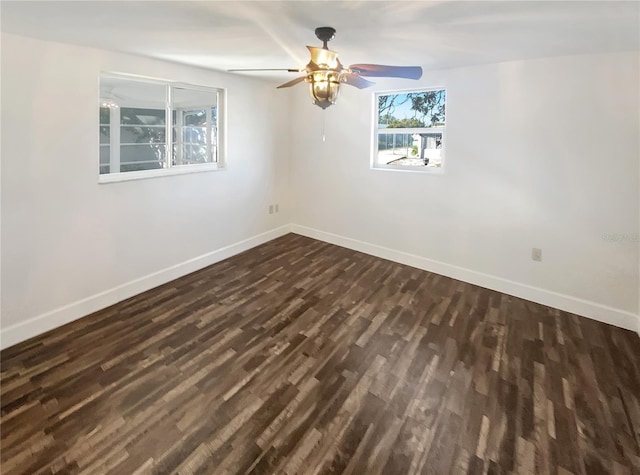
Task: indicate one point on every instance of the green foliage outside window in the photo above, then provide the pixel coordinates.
(412, 109)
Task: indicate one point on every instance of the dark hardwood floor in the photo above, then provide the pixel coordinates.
(303, 357)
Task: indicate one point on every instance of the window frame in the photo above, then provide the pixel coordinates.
(169, 169)
(374, 165)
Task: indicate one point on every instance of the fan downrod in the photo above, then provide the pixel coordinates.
(325, 34)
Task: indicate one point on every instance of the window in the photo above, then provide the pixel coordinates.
(151, 128)
(409, 130)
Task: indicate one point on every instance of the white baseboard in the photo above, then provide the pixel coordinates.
(586, 308)
(75, 310)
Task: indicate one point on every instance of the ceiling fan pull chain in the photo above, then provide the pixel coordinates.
(324, 121)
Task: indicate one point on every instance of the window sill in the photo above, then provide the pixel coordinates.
(405, 169)
(144, 174)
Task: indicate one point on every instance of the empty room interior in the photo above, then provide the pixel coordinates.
(320, 237)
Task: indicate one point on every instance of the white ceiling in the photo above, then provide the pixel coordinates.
(438, 34)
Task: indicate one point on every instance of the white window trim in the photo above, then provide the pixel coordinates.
(169, 170)
(374, 165)
(174, 170)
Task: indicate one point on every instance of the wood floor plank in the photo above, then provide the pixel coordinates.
(300, 357)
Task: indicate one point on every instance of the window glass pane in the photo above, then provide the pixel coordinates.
(195, 118)
(414, 150)
(104, 154)
(138, 166)
(138, 111)
(204, 137)
(193, 99)
(195, 128)
(142, 134)
(132, 94)
(412, 109)
(105, 134)
(136, 116)
(152, 155)
(194, 135)
(105, 116)
(195, 154)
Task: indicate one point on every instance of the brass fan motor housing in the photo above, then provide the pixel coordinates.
(325, 34)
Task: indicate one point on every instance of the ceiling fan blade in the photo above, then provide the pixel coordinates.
(379, 70)
(354, 79)
(292, 83)
(288, 70)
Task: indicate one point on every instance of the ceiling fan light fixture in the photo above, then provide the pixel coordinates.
(324, 73)
(108, 103)
(324, 87)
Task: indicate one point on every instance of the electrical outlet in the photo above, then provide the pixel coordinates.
(277, 207)
(536, 254)
(270, 209)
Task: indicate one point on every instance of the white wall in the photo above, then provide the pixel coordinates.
(70, 245)
(541, 153)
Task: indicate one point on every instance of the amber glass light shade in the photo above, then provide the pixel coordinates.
(324, 87)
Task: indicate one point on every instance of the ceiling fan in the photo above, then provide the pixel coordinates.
(324, 73)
